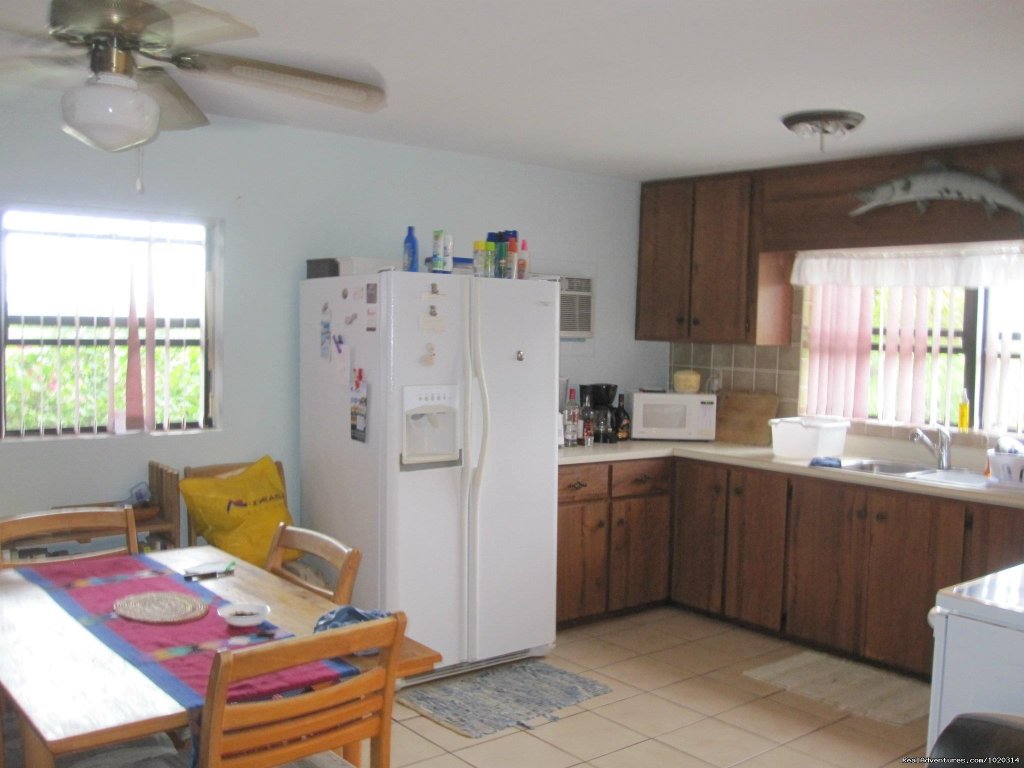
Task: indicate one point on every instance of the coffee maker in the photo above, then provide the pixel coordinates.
(602, 402)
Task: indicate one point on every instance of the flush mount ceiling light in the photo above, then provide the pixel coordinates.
(822, 123)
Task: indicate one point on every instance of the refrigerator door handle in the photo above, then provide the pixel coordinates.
(475, 357)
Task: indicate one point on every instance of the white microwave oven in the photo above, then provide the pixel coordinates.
(673, 416)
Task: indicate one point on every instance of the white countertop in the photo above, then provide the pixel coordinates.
(761, 457)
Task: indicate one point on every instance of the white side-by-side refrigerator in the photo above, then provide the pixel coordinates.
(428, 440)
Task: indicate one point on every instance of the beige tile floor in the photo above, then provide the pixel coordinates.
(678, 700)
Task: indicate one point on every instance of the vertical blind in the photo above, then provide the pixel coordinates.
(891, 333)
(96, 308)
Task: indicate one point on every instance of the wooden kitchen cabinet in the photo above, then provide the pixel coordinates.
(697, 274)
(864, 565)
(729, 541)
(582, 572)
(614, 522)
(755, 547)
(994, 540)
(915, 547)
(641, 526)
(825, 562)
(698, 536)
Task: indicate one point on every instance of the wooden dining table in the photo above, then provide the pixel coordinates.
(72, 692)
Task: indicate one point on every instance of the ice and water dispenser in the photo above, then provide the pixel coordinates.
(431, 434)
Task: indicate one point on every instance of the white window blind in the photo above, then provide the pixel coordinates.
(104, 324)
(897, 334)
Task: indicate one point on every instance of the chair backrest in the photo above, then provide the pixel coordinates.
(217, 470)
(343, 559)
(70, 524)
(272, 732)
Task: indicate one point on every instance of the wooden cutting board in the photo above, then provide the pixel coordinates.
(743, 417)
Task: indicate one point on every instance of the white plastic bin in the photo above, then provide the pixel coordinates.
(804, 437)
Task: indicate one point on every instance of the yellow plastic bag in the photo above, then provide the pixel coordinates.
(239, 513)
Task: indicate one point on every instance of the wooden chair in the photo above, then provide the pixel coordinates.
(274, 732)
(307, 729)
(70, 524)
(342, 558)
(55, 526)
(216, 470)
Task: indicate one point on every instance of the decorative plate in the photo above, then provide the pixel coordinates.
(161, 607)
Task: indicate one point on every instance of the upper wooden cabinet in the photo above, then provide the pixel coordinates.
(697, 276)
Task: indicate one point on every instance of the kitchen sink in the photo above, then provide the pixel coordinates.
(960, 478)
(890, 468)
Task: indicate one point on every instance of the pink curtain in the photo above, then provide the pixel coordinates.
(839, 360)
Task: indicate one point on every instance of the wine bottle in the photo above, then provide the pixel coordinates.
(586, 434)
(623, 423)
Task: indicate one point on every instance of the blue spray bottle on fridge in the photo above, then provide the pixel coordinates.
(411, 252)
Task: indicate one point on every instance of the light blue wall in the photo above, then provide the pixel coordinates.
(287, 195)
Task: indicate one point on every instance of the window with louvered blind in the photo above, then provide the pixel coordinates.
(105, 323)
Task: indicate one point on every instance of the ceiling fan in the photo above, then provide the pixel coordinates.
(127, 102)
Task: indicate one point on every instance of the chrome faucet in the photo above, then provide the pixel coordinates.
(940, 451)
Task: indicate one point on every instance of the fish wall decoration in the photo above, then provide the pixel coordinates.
(936, 182)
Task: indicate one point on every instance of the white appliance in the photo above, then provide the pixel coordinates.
(673, 416)
(428, 402)
(979, 647)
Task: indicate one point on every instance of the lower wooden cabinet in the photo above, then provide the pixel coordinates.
(864, 566)
(582, 559)
(839, 565)
(755, 547)
(994, 540)
(614, 528)
(729, 541)
(698, 537)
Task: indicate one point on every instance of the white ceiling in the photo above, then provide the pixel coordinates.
(637, 89)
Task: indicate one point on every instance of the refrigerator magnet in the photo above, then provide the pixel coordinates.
(325, 332)
(358, 392)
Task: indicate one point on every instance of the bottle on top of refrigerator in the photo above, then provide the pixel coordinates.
(448, 253)
(436, 257)
(411, 252)
(490, 260)
(479, 258)
(523, 262)
(500, 254)
(513, 257)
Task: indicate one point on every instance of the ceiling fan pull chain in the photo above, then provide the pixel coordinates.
(139, 187)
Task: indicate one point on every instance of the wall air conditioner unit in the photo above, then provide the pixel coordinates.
(577, 307)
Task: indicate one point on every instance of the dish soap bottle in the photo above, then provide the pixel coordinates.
(963, 413)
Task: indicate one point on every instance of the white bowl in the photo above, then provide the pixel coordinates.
(244, 614)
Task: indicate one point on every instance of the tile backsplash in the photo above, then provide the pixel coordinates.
(749, 368)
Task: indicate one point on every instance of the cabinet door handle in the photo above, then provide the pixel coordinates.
(577, 485)
(620, 522)
(881, 516)
(600, 524)
(681, 319)
(642, 479)
(737, 491)
(696, 321)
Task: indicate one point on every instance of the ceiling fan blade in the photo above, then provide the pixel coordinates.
(60, 71)
(191, 25)
(177, 111)
(304, 83)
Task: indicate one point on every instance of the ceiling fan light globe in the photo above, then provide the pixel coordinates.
(109, 112)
